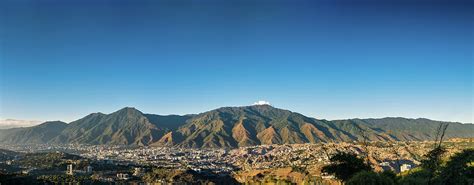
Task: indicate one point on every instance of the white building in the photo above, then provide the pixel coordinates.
(122, 176)
(69, 170)
(405, 167)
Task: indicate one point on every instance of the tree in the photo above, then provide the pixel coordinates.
(416, 176)
(433, 158)
(390, 174)
(344, 165)
(431, 164)
(370, 178)
(458, 169)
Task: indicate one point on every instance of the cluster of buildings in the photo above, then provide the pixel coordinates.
(200, 160)
(71, 171)
(398, 157)
(225, 161)
(313, 156)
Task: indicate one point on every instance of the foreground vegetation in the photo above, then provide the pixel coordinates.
(456, 170)
(459, 169)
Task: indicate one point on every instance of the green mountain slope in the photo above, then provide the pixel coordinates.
(38, 134)
(127, 126)
(226, 127)
(407, 129)
(264, 124)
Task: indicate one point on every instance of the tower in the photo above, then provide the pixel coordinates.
(69, 170)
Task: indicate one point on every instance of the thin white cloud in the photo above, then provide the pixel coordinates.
(13, 123)
(261, 102)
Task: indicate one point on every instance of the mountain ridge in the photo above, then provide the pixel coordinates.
(226, 127)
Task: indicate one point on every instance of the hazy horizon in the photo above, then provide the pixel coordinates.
(324, 59)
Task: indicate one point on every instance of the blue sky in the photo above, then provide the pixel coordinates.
(325, 59)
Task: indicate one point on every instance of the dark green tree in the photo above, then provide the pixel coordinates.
(390, 174)
(433, 159)
(370, 178)
(344, 165)
(458, 169)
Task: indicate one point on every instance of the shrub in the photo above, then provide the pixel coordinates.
(370, 178)
(345, 165)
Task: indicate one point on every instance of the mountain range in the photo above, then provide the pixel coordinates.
(226, 127)
(13, 123)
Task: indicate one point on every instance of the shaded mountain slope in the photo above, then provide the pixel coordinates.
(226, 127)
(402, 129)
(38, 134)
(127, 126)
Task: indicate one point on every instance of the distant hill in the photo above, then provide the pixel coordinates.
(38, 134)
(225, 127)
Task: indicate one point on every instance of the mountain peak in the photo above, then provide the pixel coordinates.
(265, 106)
(52, 123)
(129, 110)
(262, 105)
